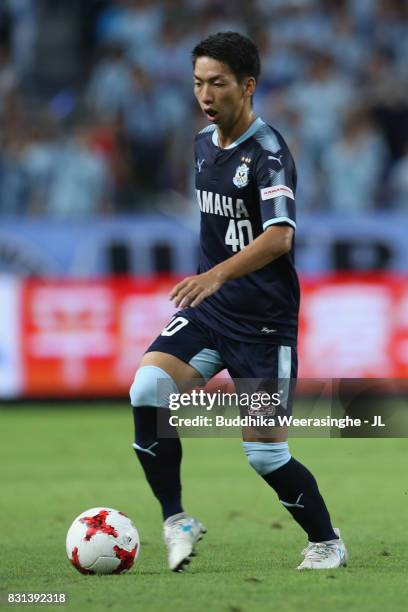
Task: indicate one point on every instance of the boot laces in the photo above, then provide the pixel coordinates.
(316, 551)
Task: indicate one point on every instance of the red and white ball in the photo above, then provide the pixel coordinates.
(102, 541)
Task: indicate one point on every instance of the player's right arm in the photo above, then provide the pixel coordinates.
(268, 246)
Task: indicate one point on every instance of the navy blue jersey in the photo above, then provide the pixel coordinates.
(241, 191)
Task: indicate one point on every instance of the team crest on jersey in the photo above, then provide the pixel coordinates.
(241, 174)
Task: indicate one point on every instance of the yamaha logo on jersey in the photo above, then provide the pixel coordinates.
(241, 175)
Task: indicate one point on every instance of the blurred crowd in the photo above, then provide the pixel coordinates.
(97, 113)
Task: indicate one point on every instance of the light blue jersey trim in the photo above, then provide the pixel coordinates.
(268, 140)
(208, 128)
(253, 128)
(279, 220)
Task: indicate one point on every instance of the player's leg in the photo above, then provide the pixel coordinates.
(158, 448)
(294, 484)
(156, 443)
(178, 359)
(298, 492)
(268, 454)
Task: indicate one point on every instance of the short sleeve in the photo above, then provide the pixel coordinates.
(275, 177)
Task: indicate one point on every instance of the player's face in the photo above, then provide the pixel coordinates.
(221, 97)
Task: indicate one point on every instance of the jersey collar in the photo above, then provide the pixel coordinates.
(254, 127)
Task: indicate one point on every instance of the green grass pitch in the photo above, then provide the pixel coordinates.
(58, 461)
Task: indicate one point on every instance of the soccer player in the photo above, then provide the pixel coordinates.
(240, 311)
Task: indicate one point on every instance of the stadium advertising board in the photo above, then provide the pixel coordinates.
(11, 383)
(87, 338)
(70, 338)
(354, 326)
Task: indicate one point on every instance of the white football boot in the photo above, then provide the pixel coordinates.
(324, 555)
(181, 533)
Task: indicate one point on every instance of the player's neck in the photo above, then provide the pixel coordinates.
(229, 134)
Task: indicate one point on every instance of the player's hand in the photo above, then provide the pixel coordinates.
(192, 290)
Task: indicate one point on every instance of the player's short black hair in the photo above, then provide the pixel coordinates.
(233, 49)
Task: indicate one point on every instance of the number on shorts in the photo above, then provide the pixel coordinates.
(174, 326)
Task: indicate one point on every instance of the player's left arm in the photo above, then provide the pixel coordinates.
(275, 176)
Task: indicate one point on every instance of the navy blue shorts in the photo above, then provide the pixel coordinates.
(210, 352)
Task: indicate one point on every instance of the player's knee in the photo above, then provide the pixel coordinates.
(152, 386)
(266, 457)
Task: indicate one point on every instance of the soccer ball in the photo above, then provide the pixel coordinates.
(102, 541)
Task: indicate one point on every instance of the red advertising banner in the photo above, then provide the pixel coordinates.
(354, 327)
(87, 338)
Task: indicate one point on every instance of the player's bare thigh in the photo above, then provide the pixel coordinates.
(274, 434)
(184, 375)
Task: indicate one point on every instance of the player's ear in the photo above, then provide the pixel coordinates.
(249, 86)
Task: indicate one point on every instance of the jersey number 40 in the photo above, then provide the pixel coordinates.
(239, 234)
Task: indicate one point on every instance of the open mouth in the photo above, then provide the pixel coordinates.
(211, 114)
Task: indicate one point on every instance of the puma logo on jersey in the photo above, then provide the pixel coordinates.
(278, 159)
